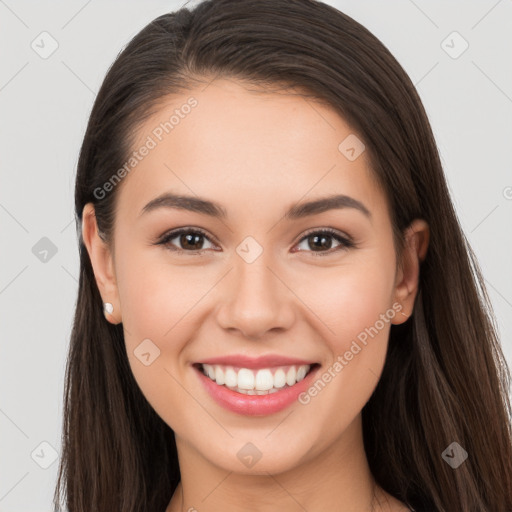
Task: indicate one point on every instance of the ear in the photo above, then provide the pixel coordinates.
(406, 285)
(102, 263)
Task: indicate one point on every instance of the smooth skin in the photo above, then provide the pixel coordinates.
(257, 153)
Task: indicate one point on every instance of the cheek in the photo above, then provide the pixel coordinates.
(369, 305)
(157, 302)
(354, 305)
(348, 299)
(358, 313)
(366, 298)
(156, 296)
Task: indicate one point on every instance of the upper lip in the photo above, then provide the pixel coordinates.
(244, 361)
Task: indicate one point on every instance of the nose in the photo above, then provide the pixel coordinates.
(255, 299)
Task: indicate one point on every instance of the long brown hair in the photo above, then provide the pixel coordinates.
(445, 378)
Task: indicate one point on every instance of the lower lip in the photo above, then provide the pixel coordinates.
(255, 405)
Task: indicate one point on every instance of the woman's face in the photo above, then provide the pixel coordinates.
(255, 281)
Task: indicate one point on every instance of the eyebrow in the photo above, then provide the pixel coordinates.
(297, 211)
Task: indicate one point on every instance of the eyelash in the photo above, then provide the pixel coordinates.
(346, 242)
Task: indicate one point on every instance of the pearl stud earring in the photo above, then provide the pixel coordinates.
(108, 308)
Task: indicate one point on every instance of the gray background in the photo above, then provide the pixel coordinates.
(44, 106)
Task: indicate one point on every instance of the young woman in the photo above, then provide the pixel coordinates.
(278, 309)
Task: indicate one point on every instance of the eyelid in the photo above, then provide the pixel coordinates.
(331, 231)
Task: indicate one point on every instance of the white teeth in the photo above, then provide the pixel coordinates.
(291, 376)
(279, 378)
(230, 377)
(301, 373)
(219, 375)
(256, 382)
(264, 380)
(211, 371)
(245, 379)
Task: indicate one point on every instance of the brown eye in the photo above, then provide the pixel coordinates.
(320, 242)
(187, 240)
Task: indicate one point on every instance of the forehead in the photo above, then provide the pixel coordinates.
(247, 148)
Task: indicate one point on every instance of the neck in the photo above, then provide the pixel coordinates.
(337, 478)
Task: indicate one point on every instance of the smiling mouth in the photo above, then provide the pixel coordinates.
(262, 381)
